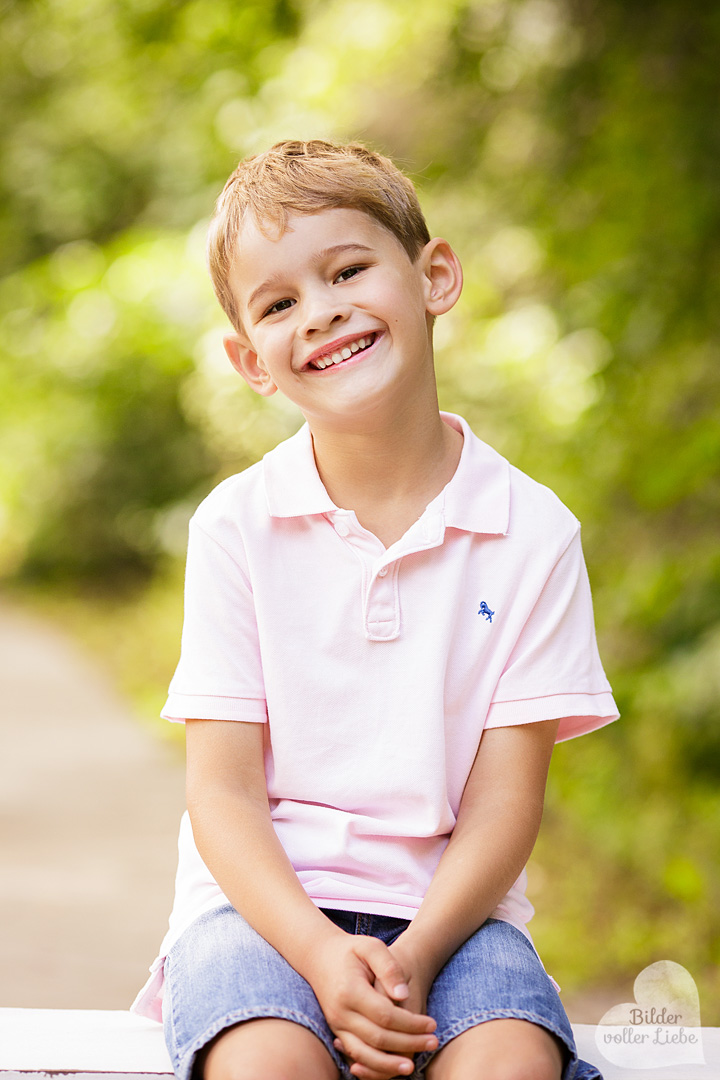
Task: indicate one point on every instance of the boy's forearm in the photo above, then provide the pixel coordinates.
(497, 826)
(238, 843)
(479, 865)
(230, 815)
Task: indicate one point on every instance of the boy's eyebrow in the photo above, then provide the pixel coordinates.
(336, 248)
(276, 279)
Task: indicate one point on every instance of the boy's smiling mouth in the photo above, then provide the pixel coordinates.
(339, 351)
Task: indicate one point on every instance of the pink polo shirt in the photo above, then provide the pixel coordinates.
(376, 670)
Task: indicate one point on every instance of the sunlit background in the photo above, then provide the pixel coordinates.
(570, 150)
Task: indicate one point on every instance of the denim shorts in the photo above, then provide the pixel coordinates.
(221, 972)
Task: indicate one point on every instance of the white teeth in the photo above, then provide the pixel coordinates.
(344, 354)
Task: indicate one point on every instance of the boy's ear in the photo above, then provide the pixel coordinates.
(247, 362)
(443, 276)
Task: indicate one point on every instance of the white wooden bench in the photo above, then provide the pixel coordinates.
(89, 1045)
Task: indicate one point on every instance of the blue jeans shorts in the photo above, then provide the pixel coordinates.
(221, 972)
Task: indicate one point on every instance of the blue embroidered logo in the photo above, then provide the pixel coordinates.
(485, 610)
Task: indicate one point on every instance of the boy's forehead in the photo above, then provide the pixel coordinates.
(310, 224)
(262, 242)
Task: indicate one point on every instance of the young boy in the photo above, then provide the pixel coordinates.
(387, 628)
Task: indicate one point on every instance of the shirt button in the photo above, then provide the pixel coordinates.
(341, 529)
(382, 571)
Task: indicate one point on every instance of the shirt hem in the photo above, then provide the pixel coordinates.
(579, 714)
(366, 907)
(180, 707)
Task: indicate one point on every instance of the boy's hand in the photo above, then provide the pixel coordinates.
(359, 984)
(419, 977)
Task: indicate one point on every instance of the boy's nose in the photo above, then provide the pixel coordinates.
(320, 313)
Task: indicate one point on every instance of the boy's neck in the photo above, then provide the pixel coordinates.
(388, 473)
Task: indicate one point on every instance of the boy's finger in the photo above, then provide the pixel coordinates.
(367, 1059)
(381, 1013)
(364, 1072)
(386, 1039)
(385, 968)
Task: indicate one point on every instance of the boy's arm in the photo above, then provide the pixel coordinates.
(228, 806)
(497, 825)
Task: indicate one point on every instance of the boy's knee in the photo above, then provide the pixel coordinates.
(267, 1049)
(516, 1067)
(242, 1068)
(500, 1050)
(536, 1068)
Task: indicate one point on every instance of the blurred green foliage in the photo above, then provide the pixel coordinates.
(570, 150)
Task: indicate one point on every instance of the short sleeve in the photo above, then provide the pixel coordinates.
(219, 675)
(554, 670)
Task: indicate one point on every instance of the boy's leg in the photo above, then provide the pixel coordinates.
(266, 1049)
(234, 1008)
(499, 1050)
(498, 1015)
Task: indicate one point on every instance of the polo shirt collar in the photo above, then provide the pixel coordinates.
(477, 498)
(292, 483)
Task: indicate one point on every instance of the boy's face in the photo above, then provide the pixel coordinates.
(334, 314)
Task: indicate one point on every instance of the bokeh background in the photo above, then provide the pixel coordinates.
(570, 150)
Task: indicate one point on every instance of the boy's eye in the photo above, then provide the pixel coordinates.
(279, 305)
(351, 271)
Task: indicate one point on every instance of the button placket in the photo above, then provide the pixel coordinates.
(382, 602)
(382, 605)
(380, 587)
(366, 553)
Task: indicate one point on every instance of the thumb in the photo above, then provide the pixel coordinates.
(387, 971)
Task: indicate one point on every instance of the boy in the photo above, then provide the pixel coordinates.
(361, 607)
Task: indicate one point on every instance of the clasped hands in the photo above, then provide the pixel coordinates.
(374, 998)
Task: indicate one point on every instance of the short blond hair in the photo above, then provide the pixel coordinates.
(305, 178)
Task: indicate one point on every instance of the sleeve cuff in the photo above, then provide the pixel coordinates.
(181, 707)
(578, 713)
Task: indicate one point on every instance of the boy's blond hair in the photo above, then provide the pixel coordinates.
(305, 178)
